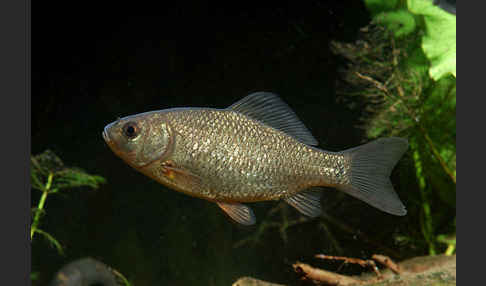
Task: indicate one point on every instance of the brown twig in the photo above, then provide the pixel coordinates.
(322, 276)
(363, 263)
(378, 84)
(387, 262)
(315, 274)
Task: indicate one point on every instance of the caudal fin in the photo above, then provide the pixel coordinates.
(371, 166)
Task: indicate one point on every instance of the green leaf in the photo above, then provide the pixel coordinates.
(74, 177)
(48, 163)
(439, 41)
(52, 240)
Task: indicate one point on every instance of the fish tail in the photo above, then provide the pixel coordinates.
(369, 175)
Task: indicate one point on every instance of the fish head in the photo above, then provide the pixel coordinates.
(139, 139)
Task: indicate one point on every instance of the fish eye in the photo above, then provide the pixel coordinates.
(130, 130)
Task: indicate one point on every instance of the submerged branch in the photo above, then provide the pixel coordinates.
(387, 262)
(319, 275)
(417, 271)
(425, 270)
(350, 260)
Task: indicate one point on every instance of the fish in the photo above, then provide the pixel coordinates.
(255, 150)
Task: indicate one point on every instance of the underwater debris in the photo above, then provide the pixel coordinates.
(88, 271)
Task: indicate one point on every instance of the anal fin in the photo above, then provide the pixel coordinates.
(238, 212)
(307, 202)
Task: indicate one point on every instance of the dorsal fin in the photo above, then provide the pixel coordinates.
(269, 109)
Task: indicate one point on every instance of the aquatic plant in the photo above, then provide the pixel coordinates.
(403, 67)
(49, 175)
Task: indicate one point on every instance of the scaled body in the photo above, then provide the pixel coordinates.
(255, 150)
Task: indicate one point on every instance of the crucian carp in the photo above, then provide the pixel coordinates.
(255, 150)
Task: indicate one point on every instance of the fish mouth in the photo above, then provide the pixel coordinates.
(106, 137)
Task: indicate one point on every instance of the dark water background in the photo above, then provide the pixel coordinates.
(91, 64)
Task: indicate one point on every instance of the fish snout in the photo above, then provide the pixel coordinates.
(106, 135)
(106, 131)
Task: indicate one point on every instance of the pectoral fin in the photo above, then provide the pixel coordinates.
(183, 180)
(238, 212)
